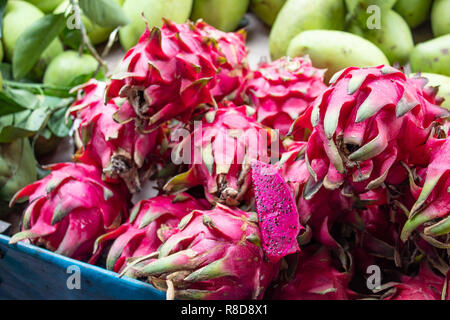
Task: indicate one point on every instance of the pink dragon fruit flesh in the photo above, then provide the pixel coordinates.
(277, 212)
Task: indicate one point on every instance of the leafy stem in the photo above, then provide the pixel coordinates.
(85, 41)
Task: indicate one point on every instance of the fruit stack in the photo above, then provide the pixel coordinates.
(271, 183)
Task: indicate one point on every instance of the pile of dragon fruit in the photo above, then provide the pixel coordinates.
(271, 184)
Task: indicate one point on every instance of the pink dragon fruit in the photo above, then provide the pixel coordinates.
(220, 152)
(70, 208)
(319, 210)
(230, 50)
(215, 254)
(425, 286)
(282, 90)
(277, 212)
(172, 71)
(151, 222)
(316, 278)
(363, 128)
(115, 147)
(432, 207)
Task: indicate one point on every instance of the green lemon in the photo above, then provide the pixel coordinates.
(96, 33)
(440, 17)
(153, 10)
(223, 15)
(66, 67)
(267, 10)
(18, 16)
(46, 6)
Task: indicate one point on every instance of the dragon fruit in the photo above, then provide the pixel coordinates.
(174, 70)
(215, 254)
(432, 207)
(151, 222)
(282, 90)
(221, 151)
(321, 211)
(316, 278)
(363, 128)
(277, 212)
(70, 208)
(230, 50)
(425, 286)
(114, 146)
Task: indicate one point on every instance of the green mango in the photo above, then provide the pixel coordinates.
(443, 82)
(46, 6)
(432, 56)
(360, 10)
(267, 10)
(223, 15)
(17, 167)
(415, 12)
(440, 17)
(154, 10)
(336, 50)
(18, 16)
(394, 37)
(66, 67)
(297, 16)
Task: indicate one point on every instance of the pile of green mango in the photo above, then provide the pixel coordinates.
(340, 33)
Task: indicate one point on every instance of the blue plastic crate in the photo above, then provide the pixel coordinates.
(29, 272)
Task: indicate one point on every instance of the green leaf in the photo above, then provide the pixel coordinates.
(8, 105)
(57, 123)
(6, 70)
(33, 42)
(23, 124)
(3, 4)
(105, 13)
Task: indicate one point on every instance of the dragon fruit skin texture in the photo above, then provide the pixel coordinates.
(215, 255)
(221, 153)
(433, 198)
(321, 210)
(426, 285)
(121, 151)
(151, 222)
(282, 90)
(363, 124)
(70, 208)
(175, 69)
(277, 212)
(316, 278)
(230, 50)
